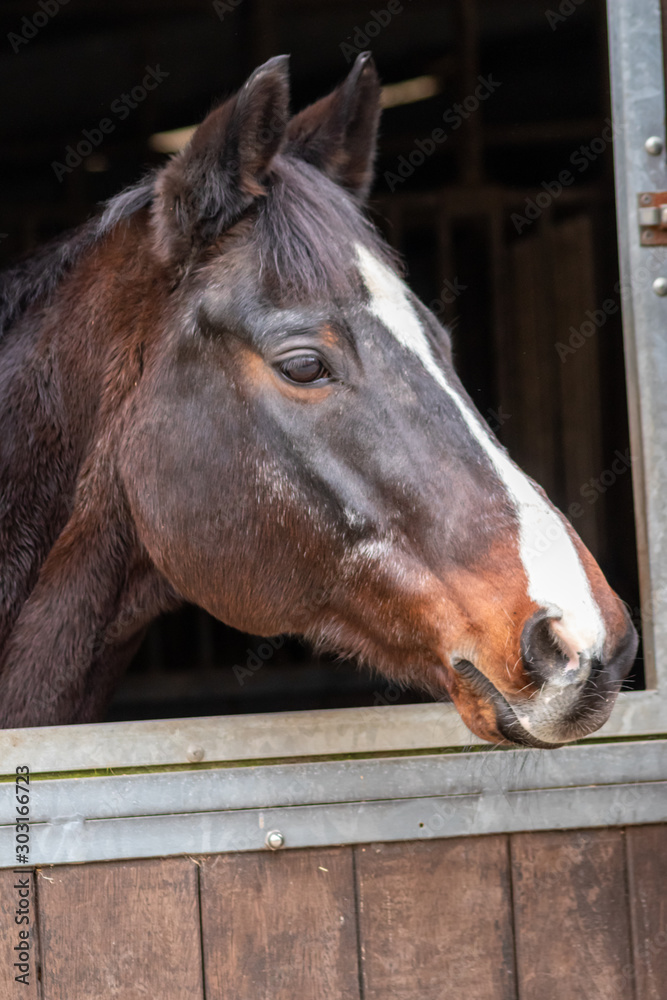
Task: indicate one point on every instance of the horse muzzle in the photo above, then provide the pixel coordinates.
(571, 696)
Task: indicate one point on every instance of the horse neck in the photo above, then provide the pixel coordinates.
(54, 366)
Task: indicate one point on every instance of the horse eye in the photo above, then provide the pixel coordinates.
(305, 368)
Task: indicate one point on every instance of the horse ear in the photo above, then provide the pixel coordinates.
(338, 134)
(205, 188)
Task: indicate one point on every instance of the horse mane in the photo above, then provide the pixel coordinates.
(304, 233)
(37, 275)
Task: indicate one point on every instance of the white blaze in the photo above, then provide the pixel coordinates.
(556, 576)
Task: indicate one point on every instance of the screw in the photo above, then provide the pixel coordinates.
(274, 840)
(645, 199)
(654, 145)
(194, 754)
(647, 236)
(660, 286)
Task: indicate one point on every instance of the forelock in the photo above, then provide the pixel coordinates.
(305, 234)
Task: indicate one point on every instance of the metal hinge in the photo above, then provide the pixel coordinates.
(652, 217)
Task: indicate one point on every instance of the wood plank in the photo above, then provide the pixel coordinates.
(571, 915)
(280, 926)
(121, 930)
(9, 936)
(435, 920)
(647, 871)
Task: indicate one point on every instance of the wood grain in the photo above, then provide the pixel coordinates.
(436, 920)
(647, 870)
(571, 915)
(121, 931)
(9, 937)
(280, 926)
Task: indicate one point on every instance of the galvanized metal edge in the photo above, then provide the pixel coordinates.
(226, 738)
(638, 109)
(350, 823)
(339, 802)
(273, 736)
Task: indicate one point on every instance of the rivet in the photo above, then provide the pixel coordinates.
(274, 840)
(654, 145)
(194, 754)
(660, 286)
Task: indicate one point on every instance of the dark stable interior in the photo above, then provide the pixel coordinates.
(507, 225)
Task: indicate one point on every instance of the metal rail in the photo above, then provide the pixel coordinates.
(338, 802)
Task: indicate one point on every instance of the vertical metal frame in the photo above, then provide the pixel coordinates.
(638, 107)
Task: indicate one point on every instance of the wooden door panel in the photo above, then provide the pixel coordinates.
(571, 915)
(121, 931)
(436, 920)
(280, 926)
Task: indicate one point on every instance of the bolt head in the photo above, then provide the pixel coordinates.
(654, 145)
(660, 286)
(274, 840)
(194, 754)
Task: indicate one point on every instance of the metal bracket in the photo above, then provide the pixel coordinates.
(652, 217)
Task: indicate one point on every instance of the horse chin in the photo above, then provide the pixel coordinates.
(531, 724)
(486, 711)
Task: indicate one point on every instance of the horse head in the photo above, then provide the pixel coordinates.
(297, 452)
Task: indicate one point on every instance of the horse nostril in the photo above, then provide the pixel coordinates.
(548, 656)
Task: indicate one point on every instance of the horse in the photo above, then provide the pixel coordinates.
(221, 390)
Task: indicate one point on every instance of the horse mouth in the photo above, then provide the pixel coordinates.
(507, 721)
